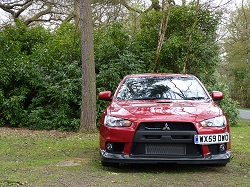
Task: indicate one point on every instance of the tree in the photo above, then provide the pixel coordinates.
(88, 110)
(39, 11)
(55, 12)
(237, 55)
(49, 71)
(188, 46)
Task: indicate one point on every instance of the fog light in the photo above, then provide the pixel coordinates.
(109, 146)
(222, 147)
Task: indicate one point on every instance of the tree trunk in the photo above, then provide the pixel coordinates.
(162, 32)
(77, 12)
(88, 109)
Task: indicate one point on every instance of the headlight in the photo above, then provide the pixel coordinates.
(219, 121)
(116, 122)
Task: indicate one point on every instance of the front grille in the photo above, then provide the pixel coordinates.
(166, 139)
(170, 126)
(165, 149)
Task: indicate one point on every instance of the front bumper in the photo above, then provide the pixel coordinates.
(125, 158)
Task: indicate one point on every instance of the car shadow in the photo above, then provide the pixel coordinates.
(163, 168)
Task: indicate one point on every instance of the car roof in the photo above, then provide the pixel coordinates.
(159, 75)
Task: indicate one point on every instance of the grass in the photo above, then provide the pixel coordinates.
(241, 143)
(244, 108)
(52, 158)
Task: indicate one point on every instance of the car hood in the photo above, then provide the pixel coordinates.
(158, 111)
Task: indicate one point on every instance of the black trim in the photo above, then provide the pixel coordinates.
(220, 159)
(169, 161)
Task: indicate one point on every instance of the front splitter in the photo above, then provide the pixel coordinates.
(220, 159)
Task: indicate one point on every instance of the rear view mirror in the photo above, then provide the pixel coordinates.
(217, 95)
(106, 95)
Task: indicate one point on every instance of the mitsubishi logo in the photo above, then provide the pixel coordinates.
(166, 127)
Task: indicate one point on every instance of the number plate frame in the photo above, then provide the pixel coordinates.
(204, 139)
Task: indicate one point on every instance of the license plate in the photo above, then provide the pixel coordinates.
(211, 138)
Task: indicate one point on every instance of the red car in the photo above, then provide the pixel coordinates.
(163, 118)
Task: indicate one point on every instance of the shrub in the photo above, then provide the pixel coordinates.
(40, 84)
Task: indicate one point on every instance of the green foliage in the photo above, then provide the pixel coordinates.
(113, 59)
(40, 77)
(236, 46)
(229, 106)
(40, 84)
(16, 77)
(189, 45)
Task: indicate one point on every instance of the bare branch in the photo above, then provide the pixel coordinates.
(38, 15)
(25, 6)
(125, 4)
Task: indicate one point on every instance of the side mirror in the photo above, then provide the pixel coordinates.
(216, 95)
(106, 95)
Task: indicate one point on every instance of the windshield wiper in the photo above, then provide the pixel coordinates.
(195, 98)
(146, 98)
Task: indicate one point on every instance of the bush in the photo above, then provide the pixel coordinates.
(40, 84)
(229, 106)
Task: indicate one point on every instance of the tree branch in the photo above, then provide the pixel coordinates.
(125, 4)
(39, 14)
(24, 7)
(8, 7)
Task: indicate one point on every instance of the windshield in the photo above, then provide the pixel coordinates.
(171, 88)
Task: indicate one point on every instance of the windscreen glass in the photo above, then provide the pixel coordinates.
(170, 88)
